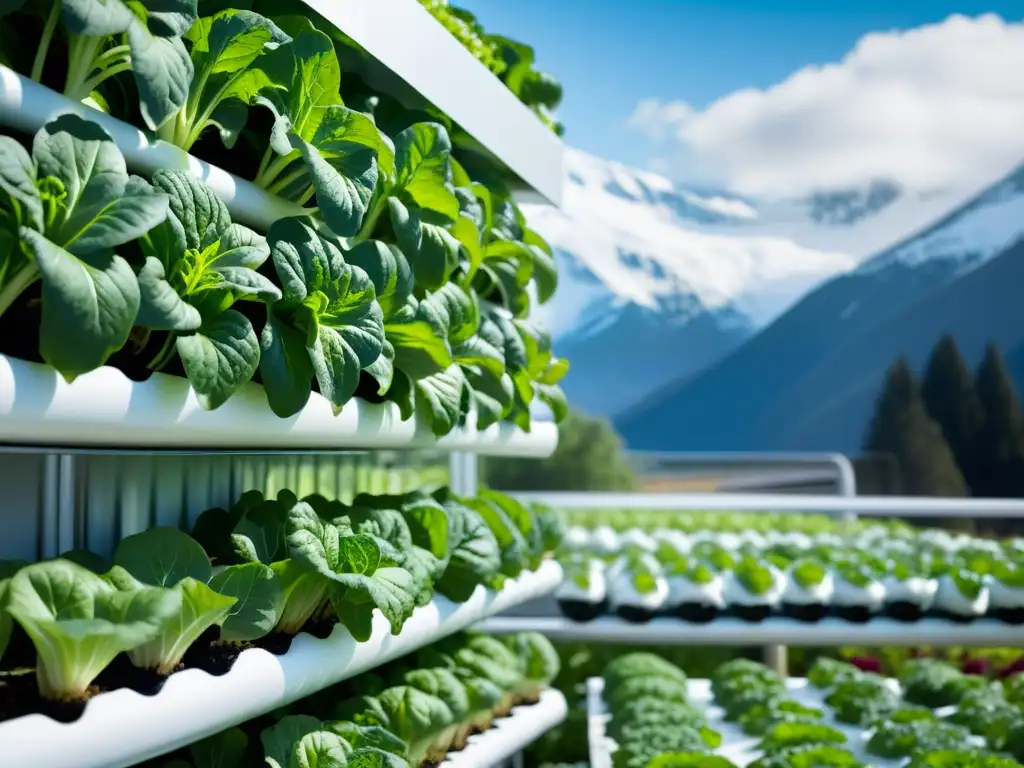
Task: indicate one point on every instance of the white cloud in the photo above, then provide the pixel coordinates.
(937, 107)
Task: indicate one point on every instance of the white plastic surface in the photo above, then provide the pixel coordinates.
(104, 408)
(122, 728)
(406, 39)
(983, 633)
(26, 106)
(511, 734)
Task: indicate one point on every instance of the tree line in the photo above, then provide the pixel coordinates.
(954, 432)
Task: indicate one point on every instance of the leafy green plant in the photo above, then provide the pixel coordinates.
(808, 573)
(198, 264)
(108, 37)
(63, 211)
(326, 326)
(166, 557)
(227, 56)
(754, 575)
(78, 622)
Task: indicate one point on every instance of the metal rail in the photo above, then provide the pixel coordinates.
(874, 506)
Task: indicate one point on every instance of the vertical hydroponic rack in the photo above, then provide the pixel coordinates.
(85, 464)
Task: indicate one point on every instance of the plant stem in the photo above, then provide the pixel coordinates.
(44, 42)
(370, 220)
(81, 62)
(164, 355)
(284, 183)
(275, 169)
(94, 82)
(17, 284)
(108, 57)
(267, 157)
(211, 105)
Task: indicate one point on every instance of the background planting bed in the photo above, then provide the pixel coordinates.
(729, 631)
(511, 734)
(122, 728)
(104, 408)
(736, 745)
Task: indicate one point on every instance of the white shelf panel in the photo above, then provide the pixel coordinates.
(512, 734)
(774, 631)
(122, 728)
(27, 106)
(407, 40)
(106, 409)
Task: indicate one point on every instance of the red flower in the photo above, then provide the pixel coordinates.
(1009, 670)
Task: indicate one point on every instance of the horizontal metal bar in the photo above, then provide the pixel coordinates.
(937, 633)
(902, 506)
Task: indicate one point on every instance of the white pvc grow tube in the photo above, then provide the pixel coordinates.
(510, 735)
(122, 728)
(27, 106)
(104, 408)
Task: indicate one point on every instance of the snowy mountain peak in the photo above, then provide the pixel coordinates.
(987, 224)
(629, 236)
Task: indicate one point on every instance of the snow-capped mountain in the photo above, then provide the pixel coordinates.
(819, 365)
(658, 281)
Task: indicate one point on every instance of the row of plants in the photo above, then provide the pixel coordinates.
(409, 278)
(252, 576)
(855, 573)
(856, 718)
(406, 714)
(511, 61)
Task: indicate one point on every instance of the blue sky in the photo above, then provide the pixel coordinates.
(611, 54)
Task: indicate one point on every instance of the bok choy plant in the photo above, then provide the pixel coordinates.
(327, 325)
(198, 264)
(108, 37)
(78, 622)
(63, 211)
(227, 54)
(166, 557)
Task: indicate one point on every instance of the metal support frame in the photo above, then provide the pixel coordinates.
(463, 473)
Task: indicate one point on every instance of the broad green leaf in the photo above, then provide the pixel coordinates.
(232, 40)
(368, 736)
(328, 306)
(257, 590)
(514, 548)
(302, 593)
(321, 749)
(220, 357)
(259, 533)
(201, 608)
(422, 153)
(493, 396)
(285, 366)
(18, 179)
(91, 19)
(355, 595)
(432, 251)
(163, 72)
(420, 347)
(387, 267)
(160, 306)
(485, 349)
(437, 397)
(342, 161)
(280, 739)
(475, 556)
(383, 368)
(545, 272)
(78, 622)
(162, 557)
(89, 305)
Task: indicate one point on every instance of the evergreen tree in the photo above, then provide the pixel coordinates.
(951, 399)
(1000, 447)
(902, 428)
(589, 457)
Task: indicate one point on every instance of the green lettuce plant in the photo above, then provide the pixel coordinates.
(63, 211)
(78, 622)
(198, 264)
